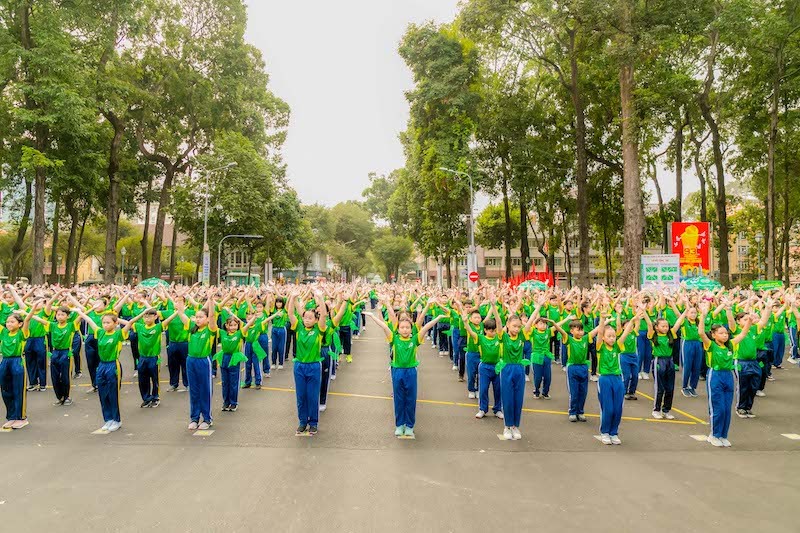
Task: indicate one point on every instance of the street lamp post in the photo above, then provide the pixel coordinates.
(123, 253)
(472, 259)
(219, 250)
(206, 252)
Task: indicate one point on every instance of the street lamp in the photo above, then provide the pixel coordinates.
(472, 259)
(123, 253)
(206, 252)
(759, 238)
(219, 250)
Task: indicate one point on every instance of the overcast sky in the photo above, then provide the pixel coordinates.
(336, 64)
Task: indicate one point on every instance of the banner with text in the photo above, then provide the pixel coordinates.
(692, 242)
(660, 271)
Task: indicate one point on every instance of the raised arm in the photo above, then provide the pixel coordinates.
(381, 324)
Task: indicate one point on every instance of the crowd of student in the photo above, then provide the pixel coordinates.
(496, 338)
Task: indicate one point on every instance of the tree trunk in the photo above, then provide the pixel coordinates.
(22, 230)
(679, 168)
(581, 169)
(113, 206)
(39, 227)
(173, 250)
(567, 261)
(80, 245)
(771, 235)
(524, 249)
(720, 200)
(448, 271)
(662, 213)
(146, 230)
(158, 233)
(73, 233)
(632, 186)
(507, 219)
(54, 262)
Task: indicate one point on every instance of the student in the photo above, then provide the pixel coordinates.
(178, 340)
(148, 341)
(778, 334)
(644, 348)
(263, 338)
(691, 350)
(61, 330)
(309, 332)
(328, 350)
(610, 389)
(577, 343)
(279, 333)
(203, 330)
(488, 347)
(664, 366)
(36, 349)
(473, 326)
(629, 360)
(230, 358)
(13, 377)
(512, 370)
(720, 382)
(746, 361)
(253, 358)
(404, 345)
(109, 372)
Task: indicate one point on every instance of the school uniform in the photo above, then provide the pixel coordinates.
(489, 349)
(610, 388)
(663, 371)
(148, 340)
(577, 372)
(61, 358)
(307, 369)
(13, 376)
(36, 353)
(691, 355)
(629, 363)
(748, 370)
(472, 358)
(178, 349)
(255, 354)
(198, 370)
(404, 379)
(109, 371)
(229, 360)
(279, 336)
(512, 376)
(720, 385)
(541, 360)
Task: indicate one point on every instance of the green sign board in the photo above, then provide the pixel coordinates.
(766, 284)
(662, 270)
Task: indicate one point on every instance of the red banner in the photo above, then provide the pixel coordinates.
(692, 242)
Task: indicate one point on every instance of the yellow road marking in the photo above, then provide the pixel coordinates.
(687, 415)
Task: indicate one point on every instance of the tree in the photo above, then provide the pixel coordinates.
(391, 252)
(377, 195)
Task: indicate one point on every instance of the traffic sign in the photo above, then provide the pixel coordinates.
(473, 276)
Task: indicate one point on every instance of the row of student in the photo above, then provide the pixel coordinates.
(614, 334)
(190, 343)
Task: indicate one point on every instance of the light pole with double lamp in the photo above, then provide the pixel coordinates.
(472, 259)
(206, 274)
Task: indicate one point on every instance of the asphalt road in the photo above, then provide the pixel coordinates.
(253, 473)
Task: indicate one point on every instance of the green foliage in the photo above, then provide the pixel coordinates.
(491, 227)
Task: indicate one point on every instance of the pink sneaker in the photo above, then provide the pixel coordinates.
(203, 426)
(192, 426)
(19, 424)
(8, 424)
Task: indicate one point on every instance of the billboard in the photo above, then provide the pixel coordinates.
(692, 242)
(660, 271)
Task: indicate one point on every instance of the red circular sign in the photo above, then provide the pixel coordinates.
(473, 277)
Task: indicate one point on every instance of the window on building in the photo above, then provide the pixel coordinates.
(742, 236)
(538, 261)
(559, 261)
(516, 261)
(744, 265)
(492, 261)
(462, 261)
(743, 250)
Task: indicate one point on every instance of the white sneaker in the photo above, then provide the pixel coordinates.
(507, 433)
(605, 439)
(455, 367)
(792, 360)
(516, 434)
(645, 375)
(499, 414)
(564, 369)
(136, 373)
(715, 442)
(333, 377)
(593, 378)
(527, 378)
(641, 375)
(471, 395)
(322, 407)
(280, 367)
(480, 414)
(760, 393)
(615, 439)
(725, 442)
(114, 425)
(105, 426)
(669, 416)
(658, 414)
